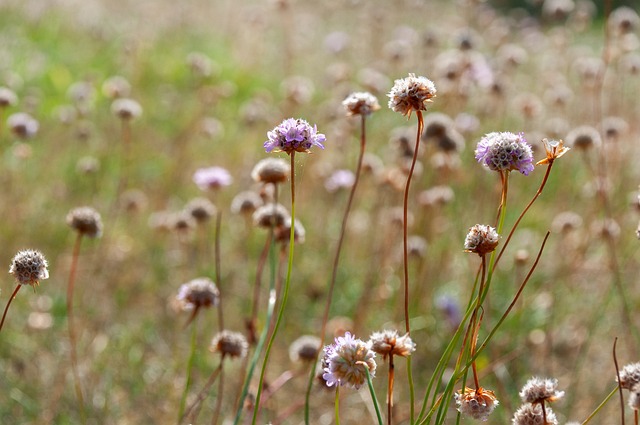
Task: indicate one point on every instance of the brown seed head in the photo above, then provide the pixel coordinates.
(86, 221)
(29, 267)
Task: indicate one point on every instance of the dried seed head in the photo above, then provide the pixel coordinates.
(411, 94)
(584, 137)
(201, 209)
(29, 267)
(230, 344)
(388, 343)
(624, 20)
(181, 222)
(283, 233)
(246, 203)
(305, 349)
(476, 403)
(346, 362)
(538, 390)
(86, 221)
(197, 293)
(271, 170)
(134, 200)
(361, 103)
(630, 376)
(531, 414)
(436, 196)
(634, 397)
(126, 109)
(270, 215)
(22, 125)
(417, 246)
(7, 97)
(481, 239)
(115, 87)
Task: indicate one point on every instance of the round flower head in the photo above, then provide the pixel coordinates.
(231, 344)
(29, 267)
(476, 403)
(7, 97)
(388, 343)
(411, 94)
(505, 152)
(345, 362)
(126, 109)
(305, 348)
(22, 125)
(246, 203)
(197, 293)
(361, 103)
(201, 209)
(481, 239)
(538, 390)
(212, 178)
(293, 135)
(340, 179)
(115, 87)
(270, 215)
(271, 170)
(584, 137)
(630, 375)
(86, 221)
(283, 233)
(532, 414)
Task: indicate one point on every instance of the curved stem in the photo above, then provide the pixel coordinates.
(216, 412)
(285, 294)
(203, 393)
(6, 309)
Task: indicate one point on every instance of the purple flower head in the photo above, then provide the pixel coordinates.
(293, 135)
(340, 179)
(505, 152)
(347, 360)
(212, 178)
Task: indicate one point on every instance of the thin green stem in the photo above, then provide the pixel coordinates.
(192, 356)
(218, 271)
(376, 405)
(337, 404)
(6, 309)
(600, 406)
(285, 294)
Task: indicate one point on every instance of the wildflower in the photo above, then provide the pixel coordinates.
(22, 125)
(624, 20)
(361, 103)
(134, 200)
(481, 239)
(7, 97)
(554, 149)
(388, 343)
(305, 348)
(634, 397)
(246, 202)
(29, 267)
(298, 90)
(436, 196)
(416, 246)
(232, 344)
(115, 87)
(630, 376)
(86, 221)
(347, 360)
(126, 109)
(532, 414)
(293, 135)
(584, 137)
(411, 94)
(283, 233)
(340, 179)
(505, 151)
(538, 390)
(270, 215)
(440, 129)
(197, 293)
(476, 403)
(182, 222)
(212, 178)
(201, 209)
(271, 170)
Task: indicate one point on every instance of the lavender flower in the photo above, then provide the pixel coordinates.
(293, 135)
(340, 179)
(505, 151)
(212, 178)
(346, 360)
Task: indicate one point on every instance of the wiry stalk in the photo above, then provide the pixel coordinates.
(615, 362)
(203, 393)
(6, 309)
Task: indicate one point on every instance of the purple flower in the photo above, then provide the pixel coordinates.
(340, 179)
(505, 152)
(212, 178)
(293, 135)
(346, 362)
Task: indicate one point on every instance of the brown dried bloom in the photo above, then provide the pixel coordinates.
(305, 348)
(532, 414)
(232, 344)
(271, 170)
(283, 233)
(270, 215)
(481, 239)
(554, 149)
(201, 209)
(538, 390)
(7, 97)
(634, 397)
(584, 137)
(388, 343)
(29, 267)
(361, 103)
(476, 403)
(411, 94)
(197, 293)
(630, 376)
(86, 221)
(246, 203)
(126, 109)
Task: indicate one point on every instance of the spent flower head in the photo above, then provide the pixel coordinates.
(476, 403)
(126, 109)
(505, 151)
(554, 149)
(532, 414)
(630, 375)
(361, 103)
(346, 362)
(22, 125)
(29, 267)
(271, 170)
(86, 221)
(388, 343)
(231, 344)
(305, 348)
(481, 239)
(293, 135)
(411, 94)
(538, 390)
(197, 293)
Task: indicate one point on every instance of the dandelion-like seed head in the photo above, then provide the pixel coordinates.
(505, 151)
(346, 362)
(481, 239)
(246, 203)
(212, 178)
(29, 267)
(86, 221)
(293, 135)
(531, 414)
(411, 94)
(305, 349)
(201, 209)
(22, 125)
(271, 170)
(584, 137)
(7, 97)
(126, 109)
(198, 293)
(361, 103)
(538, 390)
(230, 344)
(388, 343)
(630, 375)
(270, 215)
(477, 404)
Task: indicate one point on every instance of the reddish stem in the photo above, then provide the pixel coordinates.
(4, 315)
